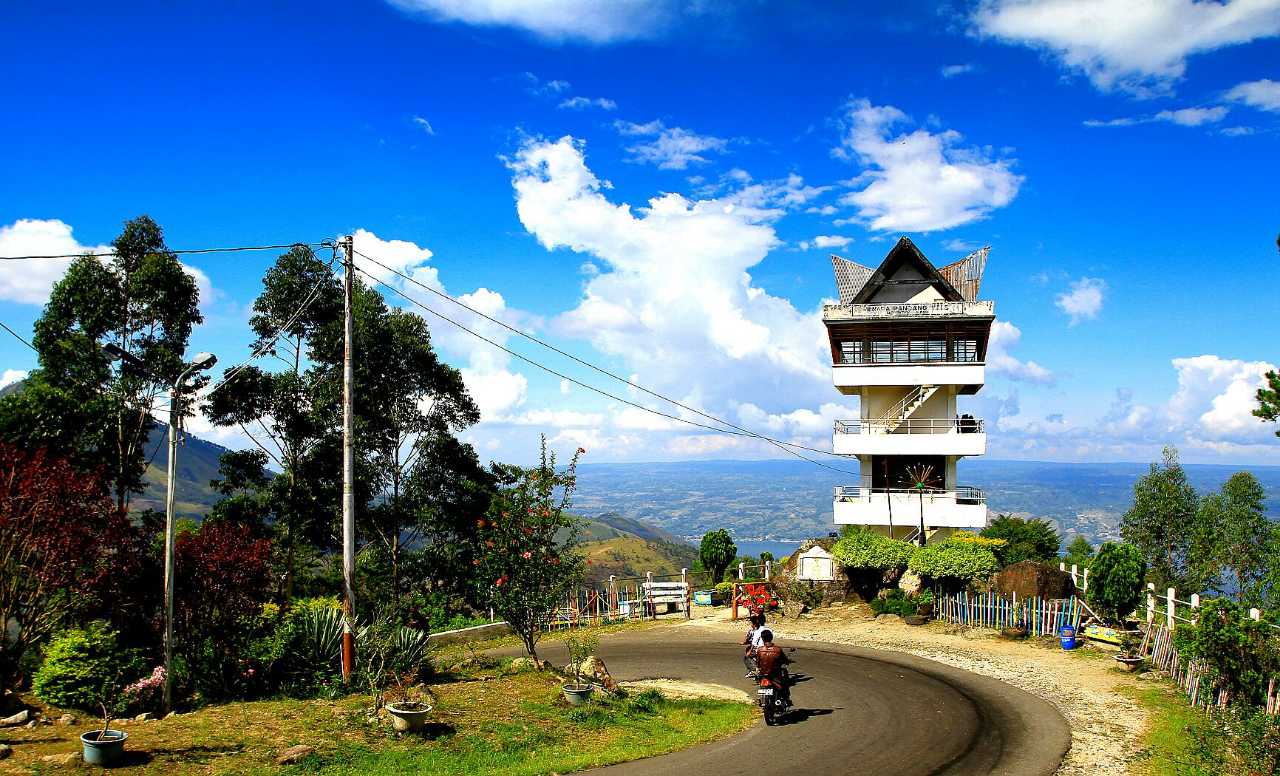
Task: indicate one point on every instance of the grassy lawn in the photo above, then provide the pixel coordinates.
(485, 721)
(1165, 750)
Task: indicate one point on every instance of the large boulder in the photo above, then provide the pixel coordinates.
(594, 671)
(1029, 579)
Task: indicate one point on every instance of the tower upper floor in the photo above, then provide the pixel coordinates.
(909, 323)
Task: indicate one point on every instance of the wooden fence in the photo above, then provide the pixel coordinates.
(1041, 616)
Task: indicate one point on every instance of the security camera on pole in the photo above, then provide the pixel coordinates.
(202, 362)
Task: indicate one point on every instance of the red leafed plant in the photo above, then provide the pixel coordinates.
(757, 597)
(60, 533)
(223, 577)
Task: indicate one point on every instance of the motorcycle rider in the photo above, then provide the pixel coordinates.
(770, 658)
(756, 622)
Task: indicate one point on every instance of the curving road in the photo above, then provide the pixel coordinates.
(857, 711)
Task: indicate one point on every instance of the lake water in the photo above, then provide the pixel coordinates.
(780, 550)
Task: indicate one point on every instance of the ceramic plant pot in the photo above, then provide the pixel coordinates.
(408, 717)
(577, 694)
(106, 752)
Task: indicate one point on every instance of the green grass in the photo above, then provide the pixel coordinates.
(1166, 744)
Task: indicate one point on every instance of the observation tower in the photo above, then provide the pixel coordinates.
(907, 338)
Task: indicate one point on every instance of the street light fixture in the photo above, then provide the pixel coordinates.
(202, 362)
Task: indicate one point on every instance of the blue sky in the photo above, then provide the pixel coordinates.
(656, 187)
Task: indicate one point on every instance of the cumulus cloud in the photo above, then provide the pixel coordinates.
(586, 21)
(1216, 398)
(1004, 338)
(582, 103)
(825, 241)
(12, 376)
(1263, 95)
(29, 282)
(426, 125)
(1135, 46)
(1084, 300)
(919, 181)
(671, 148)
(673, 300)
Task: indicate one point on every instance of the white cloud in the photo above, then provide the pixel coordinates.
(29, 282)
(825, 241)
(1136, 46)
(672, 148)
(951, 71)
(426, 125)
(1263, 95)
(1005, 337)
(546, 90)
(12, 376)
(961, 246)
(1187, 117)
(673, 301)
(588, 21)
(1237, 131)
(1084, 300)
(919, 181)
(1216, 398)
(581, 103)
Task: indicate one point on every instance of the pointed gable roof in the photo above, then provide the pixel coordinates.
(904, 252)
(850, 277)
(966, 274)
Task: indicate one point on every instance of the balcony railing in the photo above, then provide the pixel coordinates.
(908, 310)
(961, 495)
(922, 426)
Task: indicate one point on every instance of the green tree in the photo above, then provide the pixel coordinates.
(1027, 539)
(243, 487)
(524, 569)
(78, 403)
(1162, 524)
(1079, 553)
(1116, 576)
(1269, 399)
(284, 411)
(1234, 545)
(766, 556)
(716, 552)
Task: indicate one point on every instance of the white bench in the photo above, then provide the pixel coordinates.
(673, 595)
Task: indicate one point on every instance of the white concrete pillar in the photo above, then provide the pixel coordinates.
(1195, 604)
(1084, 580)
(1075, 574)
(742, 572)
(1151, 602)
(1255, 615)
(1170, 594)
(768, 569)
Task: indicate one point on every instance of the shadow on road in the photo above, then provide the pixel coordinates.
(800, 715)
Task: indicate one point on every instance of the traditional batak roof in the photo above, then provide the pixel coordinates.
(956, 282)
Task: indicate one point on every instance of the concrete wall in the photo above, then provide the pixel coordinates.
(475, 633)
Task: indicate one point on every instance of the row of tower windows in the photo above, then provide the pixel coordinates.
(908, 351)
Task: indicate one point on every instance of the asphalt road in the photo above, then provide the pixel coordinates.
(857, 711)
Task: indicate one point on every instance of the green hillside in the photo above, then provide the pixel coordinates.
(633, 557)
(197, 465)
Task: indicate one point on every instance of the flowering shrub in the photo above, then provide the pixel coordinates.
(521, 565)
(757, 597)
(146, 693)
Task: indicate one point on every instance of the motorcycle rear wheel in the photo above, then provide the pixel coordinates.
(768, 712)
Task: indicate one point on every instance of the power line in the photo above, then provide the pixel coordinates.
(198, 250)
(19, 338)
(784, 446)
(589, 365)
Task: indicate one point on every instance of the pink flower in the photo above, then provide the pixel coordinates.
(581, 450)
(528, 555)
(250, 672)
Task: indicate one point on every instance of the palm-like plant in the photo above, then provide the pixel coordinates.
(920, 478)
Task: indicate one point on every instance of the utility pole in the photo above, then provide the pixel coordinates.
(348, 465)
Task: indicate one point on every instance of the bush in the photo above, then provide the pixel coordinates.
(963, 561)
(1025, 539)
(867, 550)
(1240, 652)
(803, 593)
(78, 664)
(725, 591)
(1237, 742)
(896, 602)
(1116, 574)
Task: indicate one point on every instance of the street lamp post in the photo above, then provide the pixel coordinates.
(202, 361)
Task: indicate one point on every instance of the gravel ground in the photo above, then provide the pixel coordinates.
(1106, 726)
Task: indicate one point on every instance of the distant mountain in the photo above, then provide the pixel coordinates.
(791, 500)
(197, 465)
(633, 556)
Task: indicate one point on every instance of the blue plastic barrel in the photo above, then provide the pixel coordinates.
(1068, 638)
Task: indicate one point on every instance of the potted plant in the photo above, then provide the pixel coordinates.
(579, 648)
(104, 747)
(1129, 659)
(407, 715)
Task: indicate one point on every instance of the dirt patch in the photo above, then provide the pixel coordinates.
(681, 690)
(1106, 725)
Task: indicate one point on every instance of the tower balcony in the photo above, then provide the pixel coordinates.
(945, 436)
(908, 311)
(963, 507)
(850, 378)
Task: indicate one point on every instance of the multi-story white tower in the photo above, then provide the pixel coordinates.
(907, 339)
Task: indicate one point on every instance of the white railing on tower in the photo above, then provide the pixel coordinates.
(909, 310)
(962, 493)
(912, 426)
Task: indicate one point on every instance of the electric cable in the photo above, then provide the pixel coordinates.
(589, 365)
(181, 253)
(740, 433)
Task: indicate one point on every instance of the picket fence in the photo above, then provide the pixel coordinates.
(615, 602)
(1041, 616)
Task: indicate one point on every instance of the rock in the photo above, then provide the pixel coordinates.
(594, 671)
(171, 715)
(889, 618)
(61, 759)
(67, 720)
(145, 716)
(1147, 676)
(420, 693)
(5, 751)
(1030, 579)
(31, 725)
(524, 664)
(16, 719)
(10, 702)
(294, 754)
(792, 609)
(910, 583)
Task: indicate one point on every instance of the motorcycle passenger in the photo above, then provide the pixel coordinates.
(756, 622)
(770, 658)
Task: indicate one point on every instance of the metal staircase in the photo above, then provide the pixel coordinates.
(898, 413)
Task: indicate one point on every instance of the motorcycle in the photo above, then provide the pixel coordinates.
(772, 696)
